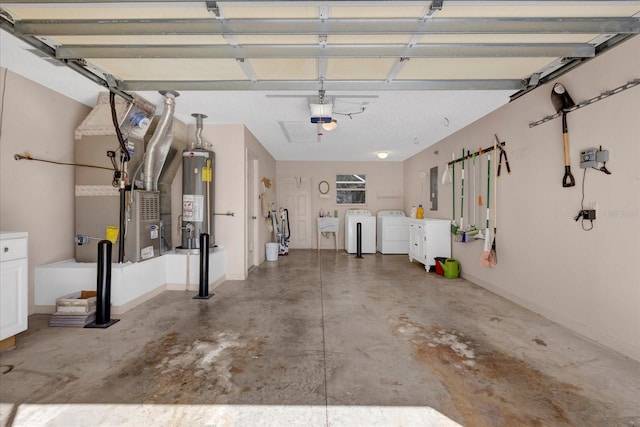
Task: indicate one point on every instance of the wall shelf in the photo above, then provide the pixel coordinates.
(603, 95)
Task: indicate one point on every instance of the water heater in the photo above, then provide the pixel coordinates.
(197, 191)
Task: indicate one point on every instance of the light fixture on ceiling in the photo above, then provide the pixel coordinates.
(382, 154)
(329, 126)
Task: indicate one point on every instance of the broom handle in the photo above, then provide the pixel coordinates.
(473, 201)
(495, 189)
(453, 197)
(462, 193)
(488, 187)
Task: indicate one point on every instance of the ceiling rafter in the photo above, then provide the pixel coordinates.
(444, 50)
(296, 2)
(212, 26)
(329, 85)
(323, 27)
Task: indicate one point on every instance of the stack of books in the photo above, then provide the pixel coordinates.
(75, 310)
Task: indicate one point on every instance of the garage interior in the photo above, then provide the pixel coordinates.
(548, 333)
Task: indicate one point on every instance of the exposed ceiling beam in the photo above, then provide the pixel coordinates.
(208, 26)
(448, 50)
(184, 85)
(77, 66)
(313, 2)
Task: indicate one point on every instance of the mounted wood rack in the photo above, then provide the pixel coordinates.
(603, 95)
(477, 153)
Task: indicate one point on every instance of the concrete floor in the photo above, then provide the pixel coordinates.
(320, 340)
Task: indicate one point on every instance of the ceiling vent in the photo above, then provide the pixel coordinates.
(299, 132)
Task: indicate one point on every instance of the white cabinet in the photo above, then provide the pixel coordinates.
(14, 283)
(428, 239)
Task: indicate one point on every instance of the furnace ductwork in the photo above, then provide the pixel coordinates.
(158, 148)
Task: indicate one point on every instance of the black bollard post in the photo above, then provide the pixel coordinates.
(203, 292)
(103, 288)
(359, 240)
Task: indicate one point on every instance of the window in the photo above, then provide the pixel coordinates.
(351, 189)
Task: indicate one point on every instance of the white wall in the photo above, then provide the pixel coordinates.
(588, 281)
(230, 142)
(266, 169)
(38, 197)
(384, 188)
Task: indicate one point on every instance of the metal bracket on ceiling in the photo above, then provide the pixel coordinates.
(111, 81)
(603, 95)
(534, 80)
(212, 7)
(6, 15)
(323, 12)
(397, 67)
(114, 85)
(435, 6)
(247, 69)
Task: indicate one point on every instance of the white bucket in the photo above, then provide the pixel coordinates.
(272, 251)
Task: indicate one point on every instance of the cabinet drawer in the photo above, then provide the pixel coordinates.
(11, 249)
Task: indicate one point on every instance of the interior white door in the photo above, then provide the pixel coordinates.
(294, 194)
(256, 213)
(251, 214)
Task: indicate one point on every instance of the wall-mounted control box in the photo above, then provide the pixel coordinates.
(588, 158)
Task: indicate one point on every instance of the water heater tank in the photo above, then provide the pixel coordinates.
(197, 196)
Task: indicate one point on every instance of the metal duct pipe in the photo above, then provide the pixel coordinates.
(199, 118)
(160, 143)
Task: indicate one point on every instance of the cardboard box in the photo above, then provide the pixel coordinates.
(78, 302)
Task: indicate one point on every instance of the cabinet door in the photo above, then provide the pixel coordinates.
(423, 249)
(412, 236)
(13, 297)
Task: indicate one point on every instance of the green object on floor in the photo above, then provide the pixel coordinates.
(451, 268)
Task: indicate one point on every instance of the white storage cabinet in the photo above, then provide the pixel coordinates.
(14, 283)
(428, 239)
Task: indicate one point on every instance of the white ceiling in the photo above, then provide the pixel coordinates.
(371, 118)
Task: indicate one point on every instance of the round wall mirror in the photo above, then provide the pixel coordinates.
(323, 187)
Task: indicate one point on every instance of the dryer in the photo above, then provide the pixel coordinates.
(393, 232)
(368, 221)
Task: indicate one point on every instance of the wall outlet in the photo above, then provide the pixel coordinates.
(592, 206)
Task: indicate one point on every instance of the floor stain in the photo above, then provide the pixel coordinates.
(539, 342)
(176, 369)
(487, 387)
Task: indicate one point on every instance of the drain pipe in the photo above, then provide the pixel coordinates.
(160, 143)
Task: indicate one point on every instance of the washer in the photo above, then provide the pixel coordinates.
(393, 232)
(368, 221)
